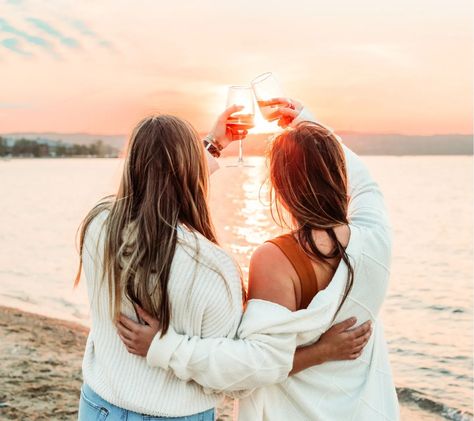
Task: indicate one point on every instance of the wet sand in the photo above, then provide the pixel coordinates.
(40, 369)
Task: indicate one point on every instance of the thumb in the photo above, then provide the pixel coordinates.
(148, 318)
(288, 112)
(346, 324)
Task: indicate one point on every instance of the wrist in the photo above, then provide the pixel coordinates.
(213, 147)
(221, 141)
(321, 352)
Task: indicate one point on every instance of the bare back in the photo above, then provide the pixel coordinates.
(280, 271)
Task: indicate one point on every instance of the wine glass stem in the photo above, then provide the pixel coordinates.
(241, 151)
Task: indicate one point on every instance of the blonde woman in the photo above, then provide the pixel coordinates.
(334, 263)
(153, 245)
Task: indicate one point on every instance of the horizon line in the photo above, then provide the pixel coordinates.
(345, 132)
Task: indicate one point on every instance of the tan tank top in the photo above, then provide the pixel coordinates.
(290, 247)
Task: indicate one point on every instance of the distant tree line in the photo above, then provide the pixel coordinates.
(38, 149)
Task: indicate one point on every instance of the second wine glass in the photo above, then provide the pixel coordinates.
(244, 118)
(266, 88)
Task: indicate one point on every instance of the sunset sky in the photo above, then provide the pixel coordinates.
(95, 66)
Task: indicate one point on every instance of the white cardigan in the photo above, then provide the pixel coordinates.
(257, 364)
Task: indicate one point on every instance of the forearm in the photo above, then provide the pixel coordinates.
(225, 364)
(366, 206)
(308, 356)
(211, 163)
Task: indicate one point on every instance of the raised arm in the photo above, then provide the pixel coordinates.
(220, 137)
(366, 206)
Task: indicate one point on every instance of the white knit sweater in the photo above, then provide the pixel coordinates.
(206, 300)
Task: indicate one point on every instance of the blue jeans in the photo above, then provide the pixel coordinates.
(93, 408)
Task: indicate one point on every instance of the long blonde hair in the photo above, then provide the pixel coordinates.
(164, 183)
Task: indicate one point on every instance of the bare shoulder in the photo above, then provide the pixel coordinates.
(343, 234)
(266, 253)
(272, 276)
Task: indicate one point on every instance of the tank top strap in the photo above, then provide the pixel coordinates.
(290, 247)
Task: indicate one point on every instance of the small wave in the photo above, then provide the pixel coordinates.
(446, 308)
(408, 395)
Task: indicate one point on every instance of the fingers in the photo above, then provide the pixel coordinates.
(287, 115)
(288, 112)
(284, 122)
(355, 355)
(361, 330)
(357, 349)
(229, 111)
(129, 323)
(285, 102)
(362, 340)
(131, 349)
(125, 332)
(127, 341)
(148, 318)
(344, 325)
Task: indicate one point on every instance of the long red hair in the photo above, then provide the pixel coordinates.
(309, 180)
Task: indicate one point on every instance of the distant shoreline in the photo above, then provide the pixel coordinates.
(367, 144)
(226, 155)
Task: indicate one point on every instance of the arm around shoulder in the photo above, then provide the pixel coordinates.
(225, 363)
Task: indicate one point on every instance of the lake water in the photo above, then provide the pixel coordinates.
(428, 311)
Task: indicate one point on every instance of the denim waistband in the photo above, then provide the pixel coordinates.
(87, 390)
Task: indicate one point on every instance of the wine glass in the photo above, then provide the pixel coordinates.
(266, 88)
(244, 118)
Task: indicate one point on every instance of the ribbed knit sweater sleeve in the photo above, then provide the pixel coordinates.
(226, 364)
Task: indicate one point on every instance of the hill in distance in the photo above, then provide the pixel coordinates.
(72, 138)
(378, 144)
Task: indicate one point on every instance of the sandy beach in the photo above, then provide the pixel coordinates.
(40, 371)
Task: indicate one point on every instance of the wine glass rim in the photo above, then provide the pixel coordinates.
(261, 77)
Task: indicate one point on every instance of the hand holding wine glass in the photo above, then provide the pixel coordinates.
(223, 133)
(272, 102)
(286, 111)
